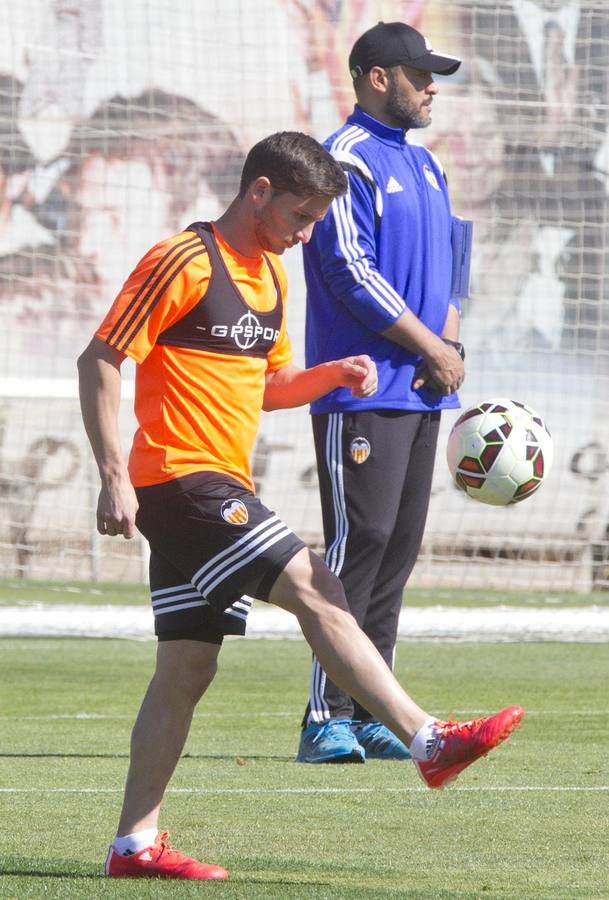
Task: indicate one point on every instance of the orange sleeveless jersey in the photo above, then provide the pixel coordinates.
(196, 410)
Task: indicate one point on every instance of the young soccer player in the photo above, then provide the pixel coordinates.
(203, 316)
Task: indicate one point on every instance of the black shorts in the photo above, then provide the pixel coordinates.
(213, 546)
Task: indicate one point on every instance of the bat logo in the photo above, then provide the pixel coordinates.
(234, 512)
(359, 450)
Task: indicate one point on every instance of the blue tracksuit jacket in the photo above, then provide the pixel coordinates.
(384, 246)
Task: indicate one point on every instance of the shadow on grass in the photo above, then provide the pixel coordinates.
(26, 870)
(214, 756)
(241, 883)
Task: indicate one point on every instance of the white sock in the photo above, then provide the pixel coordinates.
(424, 740)
(128, 844)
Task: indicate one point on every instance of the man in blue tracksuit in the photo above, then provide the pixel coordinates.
(379, 274)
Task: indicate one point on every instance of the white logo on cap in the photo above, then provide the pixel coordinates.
(427, 44)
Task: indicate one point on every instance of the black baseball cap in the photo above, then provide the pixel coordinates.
(393, 44)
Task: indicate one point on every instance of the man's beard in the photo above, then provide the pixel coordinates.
(402, 110)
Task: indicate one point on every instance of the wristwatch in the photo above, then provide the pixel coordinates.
(457, 345)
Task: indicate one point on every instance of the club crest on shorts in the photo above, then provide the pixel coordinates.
(234, 512)
(359, 450)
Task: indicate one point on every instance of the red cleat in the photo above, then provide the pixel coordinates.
(459, 744)
(161, 861)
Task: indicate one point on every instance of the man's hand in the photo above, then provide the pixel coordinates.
(358, 373)
(443, 373)
(99, 379)
(291, 386)
(116, 508)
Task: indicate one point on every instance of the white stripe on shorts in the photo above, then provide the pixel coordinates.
(240, 554)
(240, 608)
(167, 600)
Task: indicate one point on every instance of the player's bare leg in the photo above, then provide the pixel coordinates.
(308, 589)
(440, 750)
(184, 671)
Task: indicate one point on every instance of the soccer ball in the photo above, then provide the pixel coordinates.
(499, 451)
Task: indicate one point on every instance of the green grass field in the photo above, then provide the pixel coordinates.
(24, 592)
(529, 821)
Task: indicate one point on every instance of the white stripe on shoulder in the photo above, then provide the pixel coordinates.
(357, 261)
(350, 159)
(348, 138)
(347, 235)
(341, 151)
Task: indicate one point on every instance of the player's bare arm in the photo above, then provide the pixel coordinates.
(100, 391)
(290, 386)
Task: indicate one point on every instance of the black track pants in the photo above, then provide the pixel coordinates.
(375, 469)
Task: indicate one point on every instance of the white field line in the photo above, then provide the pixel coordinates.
(440, 623)
(97, 717)
(511, 789)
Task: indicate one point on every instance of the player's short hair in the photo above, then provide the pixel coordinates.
(294, 163)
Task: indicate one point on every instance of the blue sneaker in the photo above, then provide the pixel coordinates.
(380, 743)
(330, 742)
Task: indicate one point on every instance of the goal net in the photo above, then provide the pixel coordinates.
(121, 123)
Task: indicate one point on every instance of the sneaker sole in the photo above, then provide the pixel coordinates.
(352, 757)
(388, 757)
(507, 732)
